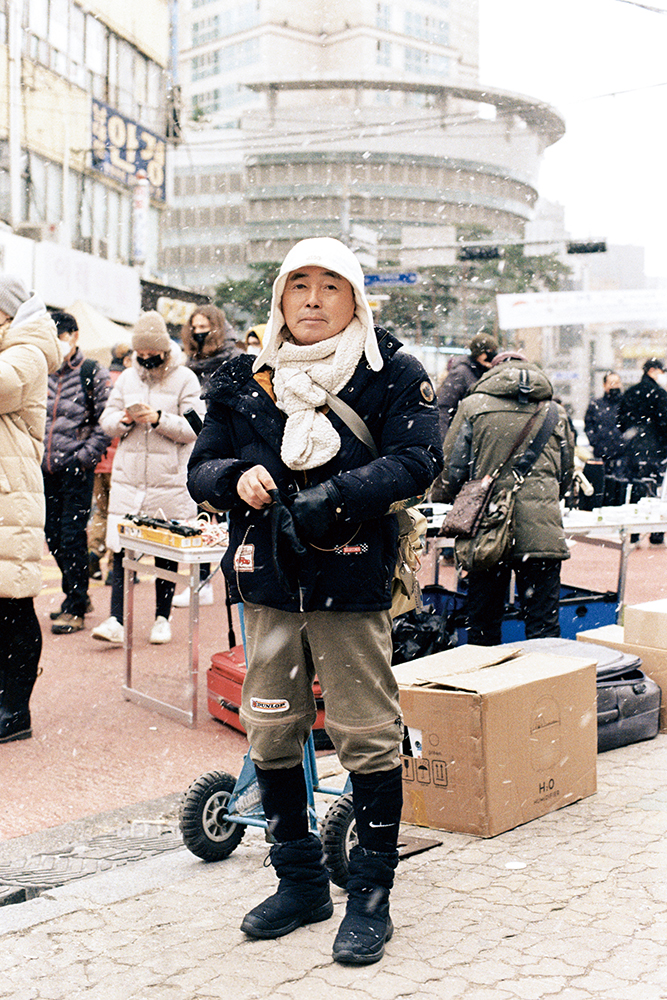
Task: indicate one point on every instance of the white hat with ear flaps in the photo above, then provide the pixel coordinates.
(320, 251)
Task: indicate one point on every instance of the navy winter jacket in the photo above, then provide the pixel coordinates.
(352, 570)
(642, 417)
(71, 436)
(601, 426)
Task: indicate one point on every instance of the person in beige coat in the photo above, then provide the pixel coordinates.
(145, 410)
(28, 352)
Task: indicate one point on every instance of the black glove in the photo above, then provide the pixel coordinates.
(316, 510)
(287, 550)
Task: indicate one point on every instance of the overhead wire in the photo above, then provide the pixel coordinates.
(645, 6)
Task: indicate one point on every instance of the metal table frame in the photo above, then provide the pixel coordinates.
(593, 532)
(135, 548)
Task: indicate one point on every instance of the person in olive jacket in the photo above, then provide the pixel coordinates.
(287, 467)
(487, 423)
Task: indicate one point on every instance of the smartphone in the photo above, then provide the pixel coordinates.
(135, 408)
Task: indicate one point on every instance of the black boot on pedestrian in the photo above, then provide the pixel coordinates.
(14, 726)
(366, 926)
(303, 891)
(17, 685)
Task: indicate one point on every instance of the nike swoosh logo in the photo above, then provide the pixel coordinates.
(378, 826)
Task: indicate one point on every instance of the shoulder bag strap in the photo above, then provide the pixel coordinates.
(534, 449)
(522, 437)
(350, 417)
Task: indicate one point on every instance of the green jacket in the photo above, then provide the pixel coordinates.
(485, 427)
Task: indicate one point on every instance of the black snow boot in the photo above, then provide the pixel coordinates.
(14, 698)
(17, 685)
(14, 725)
(366, 926)
(303, 891)
(378, 799)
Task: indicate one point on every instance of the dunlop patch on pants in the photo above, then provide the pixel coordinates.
(269, 705)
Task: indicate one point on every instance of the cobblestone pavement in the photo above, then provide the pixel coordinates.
(572, 906)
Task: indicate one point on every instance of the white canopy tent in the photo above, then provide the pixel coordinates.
(97, 334)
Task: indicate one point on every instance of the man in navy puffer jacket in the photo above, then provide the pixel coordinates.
(73, 445)
(324, 607)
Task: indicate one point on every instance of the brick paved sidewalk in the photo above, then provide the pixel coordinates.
(572, 906)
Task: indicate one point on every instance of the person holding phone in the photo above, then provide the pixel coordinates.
(146, 411)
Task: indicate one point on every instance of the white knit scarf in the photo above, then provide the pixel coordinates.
(302, 373)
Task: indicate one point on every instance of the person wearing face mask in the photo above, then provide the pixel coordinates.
(208, 339)
(74, 442)
(601, 426)
(145, 411)
(642, 419)
(253, 339)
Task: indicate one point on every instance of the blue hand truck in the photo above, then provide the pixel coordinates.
(218, 808)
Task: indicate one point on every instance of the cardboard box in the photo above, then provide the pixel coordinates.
(496, 737)
(654, 661)
(646, 624)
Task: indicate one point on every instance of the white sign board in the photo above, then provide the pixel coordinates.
(569, 308)
(425, 246)
(63, 275)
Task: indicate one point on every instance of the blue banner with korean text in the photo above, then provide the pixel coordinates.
(122, 149)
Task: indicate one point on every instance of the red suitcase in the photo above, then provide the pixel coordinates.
(224, 682)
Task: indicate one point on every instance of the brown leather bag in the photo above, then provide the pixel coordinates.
(463, 518)
(465, 515)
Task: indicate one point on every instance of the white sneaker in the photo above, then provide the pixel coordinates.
(182, 600)
(161, 631)
(109, 631)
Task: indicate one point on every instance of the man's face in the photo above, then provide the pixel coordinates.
(484, 360)
(71, 339)
(612, 382)
(317, 304)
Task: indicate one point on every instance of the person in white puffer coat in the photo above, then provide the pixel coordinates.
(146, 410)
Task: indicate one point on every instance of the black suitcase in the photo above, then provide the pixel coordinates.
(628, 702)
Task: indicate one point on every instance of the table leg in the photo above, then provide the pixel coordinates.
(626, 545)
(129, 565)
(193, 637)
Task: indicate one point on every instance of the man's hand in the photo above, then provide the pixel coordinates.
(316, 510)
(253, 487)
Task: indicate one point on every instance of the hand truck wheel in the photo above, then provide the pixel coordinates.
(339, 836)
(204, 829)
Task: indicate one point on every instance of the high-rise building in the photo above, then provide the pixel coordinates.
(83, 121)
(351, 118)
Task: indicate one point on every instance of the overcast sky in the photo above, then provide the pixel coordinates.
(603, 65)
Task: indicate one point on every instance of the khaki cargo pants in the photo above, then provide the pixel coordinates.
(351, 655)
